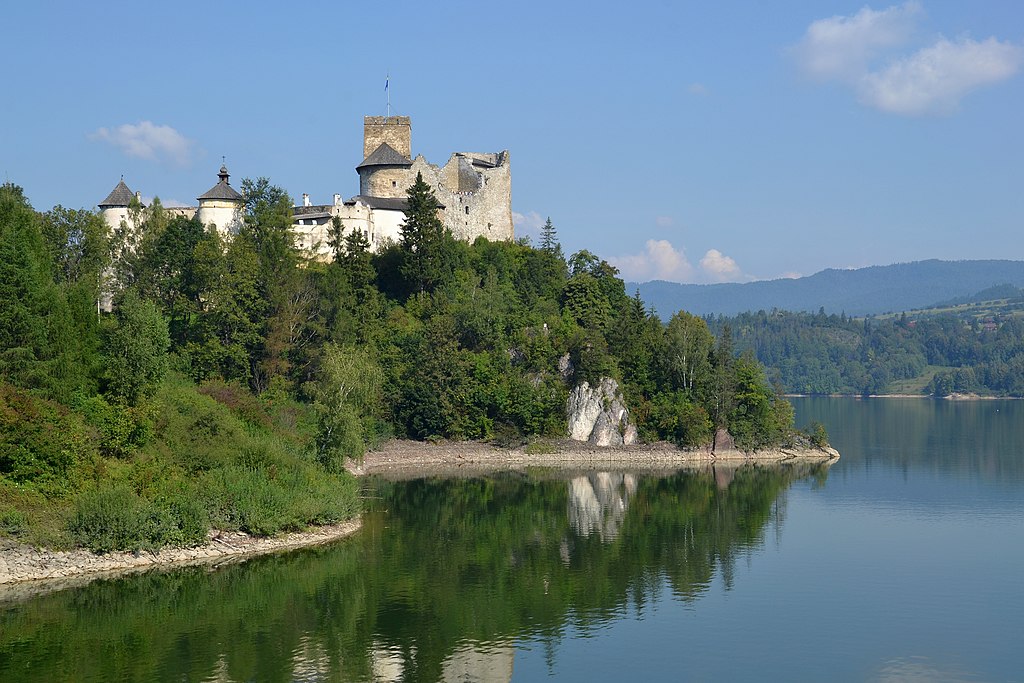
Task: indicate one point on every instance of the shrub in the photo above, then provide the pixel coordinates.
(540, 448)
(12, 521)
(239, 400)
(243, 498)
(122, 429)
(112, 517)
(817, 434)
(40, 440)
(107, 519)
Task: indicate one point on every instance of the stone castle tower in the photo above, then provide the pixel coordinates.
(474, 188)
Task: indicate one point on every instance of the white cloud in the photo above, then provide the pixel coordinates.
(662, 261)
(698, 89)
(863, 52)
(935, 78)
(719, 268)
(530, 222)
(664, 221)
(841, 47)
(790, 275)
(659, 261)
(146, 140)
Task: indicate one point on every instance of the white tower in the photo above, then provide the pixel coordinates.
(221, 206)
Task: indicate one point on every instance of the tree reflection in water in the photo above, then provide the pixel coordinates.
(445, 577)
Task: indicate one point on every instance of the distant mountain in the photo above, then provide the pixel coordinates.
(864, 291)
(1001, 291)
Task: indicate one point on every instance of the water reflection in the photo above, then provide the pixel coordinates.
(598, 502)
(445, 575)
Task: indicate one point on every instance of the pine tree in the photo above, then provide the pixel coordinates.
(38, 347)
(549, 239)
(429, 246)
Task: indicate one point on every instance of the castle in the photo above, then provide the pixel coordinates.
(474, 191)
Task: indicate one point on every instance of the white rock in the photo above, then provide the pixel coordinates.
(598, 415)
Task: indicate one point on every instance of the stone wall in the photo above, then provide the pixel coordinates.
(485, 211)
(394, 130)
(389, 181)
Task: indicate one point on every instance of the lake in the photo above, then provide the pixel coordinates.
(903, 561)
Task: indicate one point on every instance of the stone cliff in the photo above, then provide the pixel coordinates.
(598, 415)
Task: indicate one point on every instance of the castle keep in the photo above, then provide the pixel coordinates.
(473, 188)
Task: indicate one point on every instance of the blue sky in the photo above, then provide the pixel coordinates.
(696, 142)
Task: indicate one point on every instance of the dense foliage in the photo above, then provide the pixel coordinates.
(937, 354)
(176, 392)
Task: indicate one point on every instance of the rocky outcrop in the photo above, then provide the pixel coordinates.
(723, 441)
(598, 415)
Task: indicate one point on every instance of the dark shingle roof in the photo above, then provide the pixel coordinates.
(388, 203)
(119, 196)
(223, 189)
(385, 155)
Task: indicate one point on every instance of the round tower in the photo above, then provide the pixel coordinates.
(385, 171)
(114, 208)
(221, 205)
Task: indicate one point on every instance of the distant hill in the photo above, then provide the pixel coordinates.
(1001, 291)
(864, 291)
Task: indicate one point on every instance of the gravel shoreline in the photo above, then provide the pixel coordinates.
(406, 459)
(26, 571)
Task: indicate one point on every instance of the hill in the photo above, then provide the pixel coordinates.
(863, 291)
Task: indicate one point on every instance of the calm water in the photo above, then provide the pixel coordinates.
(904, 561)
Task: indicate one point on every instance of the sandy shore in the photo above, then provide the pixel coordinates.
(404, 459)
(27, 571)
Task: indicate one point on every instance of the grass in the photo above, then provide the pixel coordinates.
(540, 447)
(916, 385)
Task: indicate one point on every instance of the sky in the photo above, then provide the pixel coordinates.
(686, 141)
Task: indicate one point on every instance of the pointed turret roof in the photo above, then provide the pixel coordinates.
(385, 155)
(223, 189)
(118, 197)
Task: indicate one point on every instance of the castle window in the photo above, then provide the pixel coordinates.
(394, 183)
(467, 210)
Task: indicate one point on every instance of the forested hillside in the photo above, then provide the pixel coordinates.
(235, 376)
(863, 291)
(972, 350)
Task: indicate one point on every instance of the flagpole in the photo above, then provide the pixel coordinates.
(387, 91)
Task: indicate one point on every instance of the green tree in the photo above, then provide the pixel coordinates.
(38, 345)
(724, 379)
(430, 249)
(347, 394)
(173, 276)
(78, 244)
(230, 334)
(136, 350)
(688, 353)
(549, 239)
(357, 261)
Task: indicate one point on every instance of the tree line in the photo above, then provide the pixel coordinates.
(310, 362)
(811, 353)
